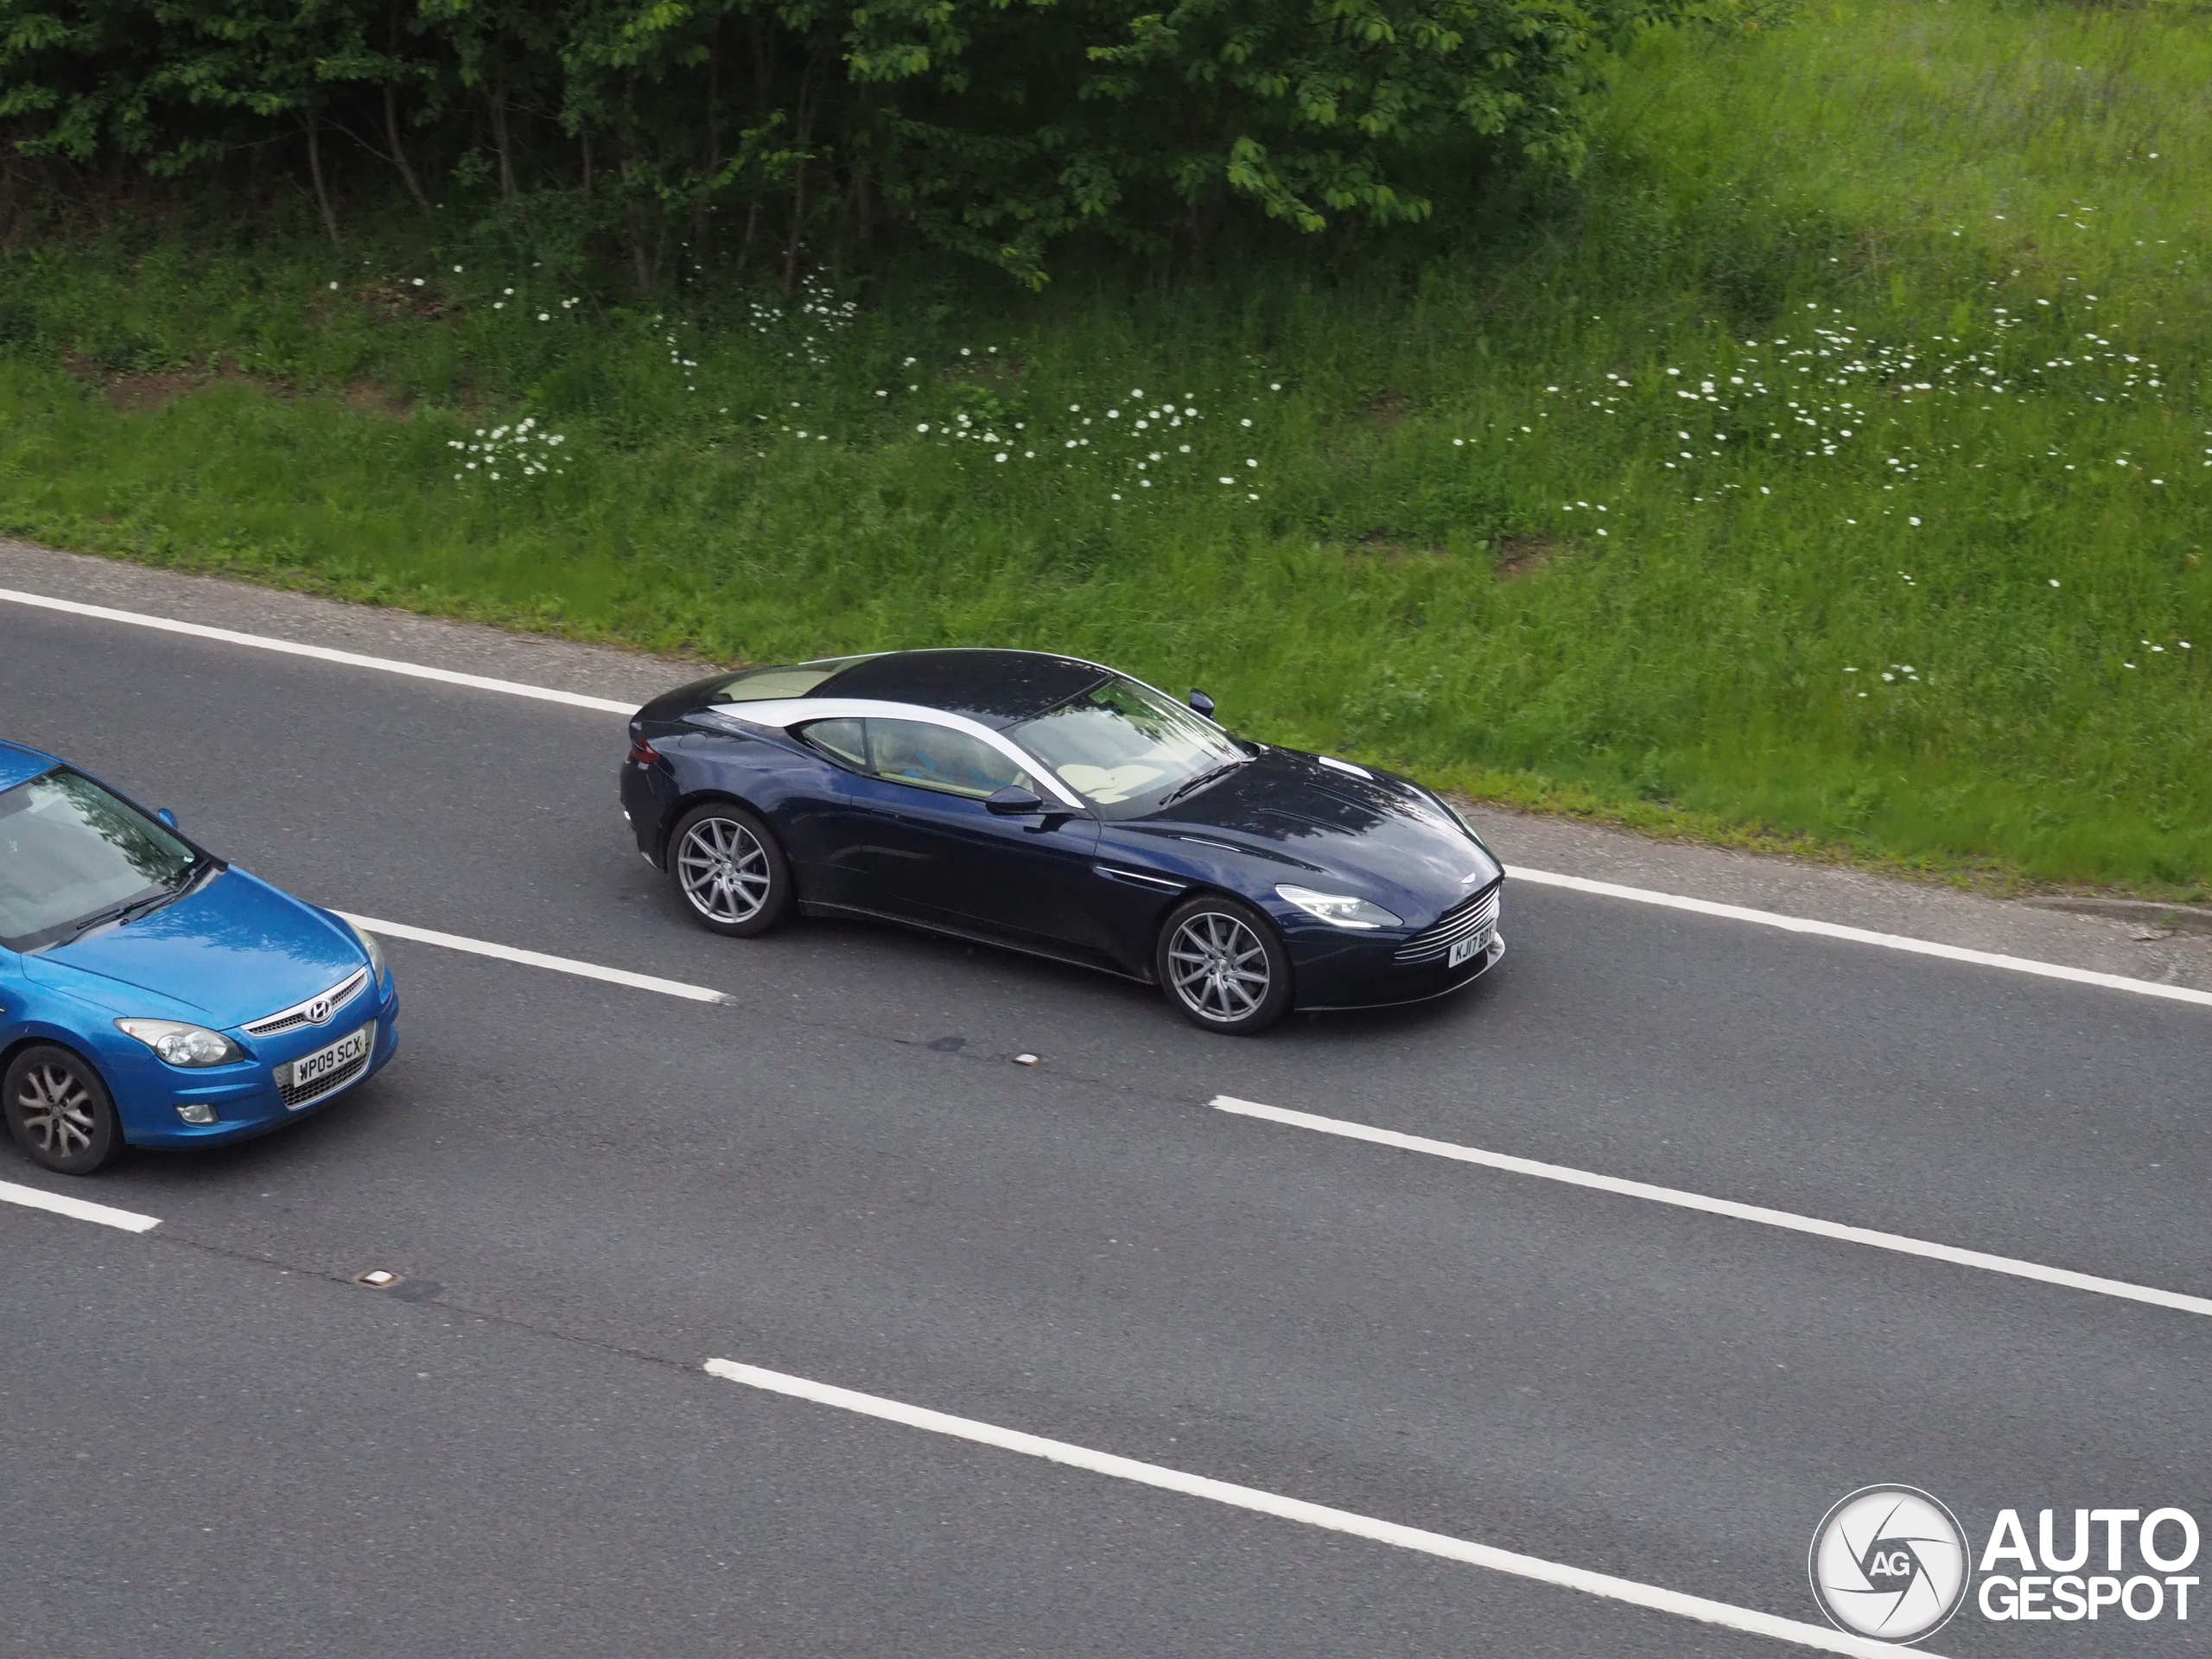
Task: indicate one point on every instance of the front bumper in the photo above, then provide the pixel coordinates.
(244, 1096)
(1367, 975)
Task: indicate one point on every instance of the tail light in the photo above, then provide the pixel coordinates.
(641, 752)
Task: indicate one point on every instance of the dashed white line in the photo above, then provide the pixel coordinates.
(1897, 1242)
(1649, 1596)
(537, 959)
(32, 1198)
(1546, 878)
(1863, 936)
(321, 653)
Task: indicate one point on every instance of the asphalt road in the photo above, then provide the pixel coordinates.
(219, 1444)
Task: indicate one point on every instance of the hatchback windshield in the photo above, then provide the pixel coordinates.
(1127, 749)
(72, 854)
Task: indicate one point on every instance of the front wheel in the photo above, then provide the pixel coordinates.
(733, 878)
(59, 1111)
(1223, 965)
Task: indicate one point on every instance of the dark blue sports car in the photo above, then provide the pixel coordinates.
(1058, 807)
(154, 994)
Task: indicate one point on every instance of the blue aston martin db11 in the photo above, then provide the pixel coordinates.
(152, 995)
(1058, 807)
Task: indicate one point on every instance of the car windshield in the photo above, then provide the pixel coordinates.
(1125, 748)
(71, 852)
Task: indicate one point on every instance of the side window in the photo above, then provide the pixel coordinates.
(936, 757)
(841, 739)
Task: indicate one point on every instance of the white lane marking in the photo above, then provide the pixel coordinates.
(1311, 1515)
(321, 653)
(1608, 889)
(1795, 1223)
(537, 959)
(77, 1209)
(1863, 936)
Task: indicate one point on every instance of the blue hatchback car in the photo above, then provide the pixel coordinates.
(152, 994)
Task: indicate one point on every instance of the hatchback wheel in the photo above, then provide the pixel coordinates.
(733, 875)
(58, 1110)
(1222, 964)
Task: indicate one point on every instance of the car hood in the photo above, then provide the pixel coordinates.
(1382, 836)
(235, 951)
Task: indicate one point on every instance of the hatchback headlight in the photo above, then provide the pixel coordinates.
(1340, 909)
(179, 1044)
(368, 942)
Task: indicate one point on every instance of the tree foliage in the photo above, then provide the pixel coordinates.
(757, 129)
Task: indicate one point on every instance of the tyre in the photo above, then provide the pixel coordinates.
(59, 1111)
(1223, 965)
(729, 870)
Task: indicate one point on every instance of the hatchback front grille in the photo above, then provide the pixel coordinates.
(1464, 921)
(302, 1014)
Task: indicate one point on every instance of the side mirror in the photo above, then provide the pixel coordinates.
(1012, 802)
(1202, 703)
(167, 816)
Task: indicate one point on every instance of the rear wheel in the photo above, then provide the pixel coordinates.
(732, 876)
(1222, 964)
(59, 1111)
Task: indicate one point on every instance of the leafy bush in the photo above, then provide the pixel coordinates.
(766, 130)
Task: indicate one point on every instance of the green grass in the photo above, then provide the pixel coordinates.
(1929, 193)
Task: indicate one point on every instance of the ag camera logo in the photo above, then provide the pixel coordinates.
(1889, 1563)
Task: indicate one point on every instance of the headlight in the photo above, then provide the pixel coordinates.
(1338, 908)
(376, 951)
(179, 1044)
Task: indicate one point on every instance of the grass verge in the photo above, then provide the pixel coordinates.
(1826, 470)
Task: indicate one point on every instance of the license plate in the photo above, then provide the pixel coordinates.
(326, 1061)
(1472, 946)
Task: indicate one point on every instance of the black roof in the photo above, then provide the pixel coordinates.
(999, 688)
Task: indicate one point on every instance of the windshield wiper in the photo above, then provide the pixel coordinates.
(100, 919)
(137, 907)
(1192, 785)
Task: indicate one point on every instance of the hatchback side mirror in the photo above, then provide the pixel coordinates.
(167, 816)
(1012, 802)
(1202, 703)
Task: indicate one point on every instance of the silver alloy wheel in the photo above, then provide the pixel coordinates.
(724, 871)
(1219, 967)
(58, 1113)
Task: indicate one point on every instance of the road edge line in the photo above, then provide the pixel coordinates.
(323, 653)
(1544, 878)
(1861, 936)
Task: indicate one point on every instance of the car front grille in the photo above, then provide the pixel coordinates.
(295, 1097)
(1464, 921)
(302, 1014)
